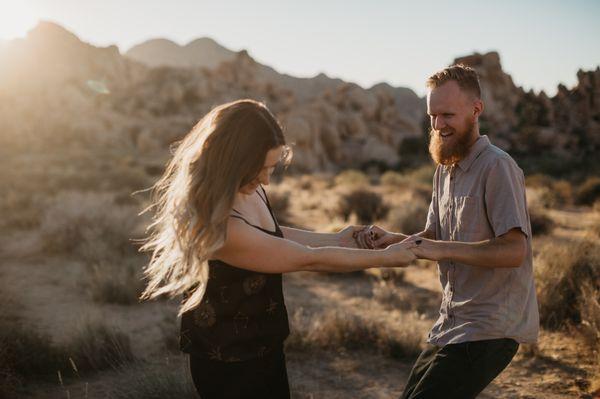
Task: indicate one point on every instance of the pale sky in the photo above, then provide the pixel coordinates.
(541, 43)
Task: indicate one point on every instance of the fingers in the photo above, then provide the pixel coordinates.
(381, 242)
(363, 240)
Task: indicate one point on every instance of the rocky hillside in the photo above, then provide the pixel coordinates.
(57, 92)
(553, 132)
(61, 98)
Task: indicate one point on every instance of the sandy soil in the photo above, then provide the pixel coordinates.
(55, 300)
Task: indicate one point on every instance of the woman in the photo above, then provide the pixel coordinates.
(215, 240)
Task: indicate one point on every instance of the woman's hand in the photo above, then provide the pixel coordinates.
(347, 236)
(374, 237)
(401, 254)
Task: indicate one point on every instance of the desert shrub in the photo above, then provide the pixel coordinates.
(589, 307)
(423, 174)
(539, 180)
(280, 203)
(305, 182)
(366, 205)
(562, 270)
(553, 193)
(25, 354)
(128, 178)
(96, 346)
(352, 177)
(409, 218)
(393, 179)
(540, 222)
(590, 315)
(19, 210)
(88, 222)
(588, 192)
(117, 281)
(337, 331)
(148, 382)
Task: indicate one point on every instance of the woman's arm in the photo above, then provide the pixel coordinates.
(249, 248)
(343, 238)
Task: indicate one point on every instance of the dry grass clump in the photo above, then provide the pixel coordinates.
(409, 217)
(97, 230)
(540, 222)
(97, 346)
(367, 205)
(336, 330)
(562, 271)
(166, 381)
(77, 221)
(352, 177)
(552, 193)
(394, 179)
(590, 323)
(25, 354)
(118, 281)
(588, 192)
(19, 210)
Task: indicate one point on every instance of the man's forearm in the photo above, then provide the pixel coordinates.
(494, 253)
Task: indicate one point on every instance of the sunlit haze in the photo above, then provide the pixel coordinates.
(541, 43)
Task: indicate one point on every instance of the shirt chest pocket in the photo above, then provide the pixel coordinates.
(467, 218)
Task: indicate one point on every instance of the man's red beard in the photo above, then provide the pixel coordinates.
(448, 153)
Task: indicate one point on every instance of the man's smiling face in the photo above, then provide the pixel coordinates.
(453, 114)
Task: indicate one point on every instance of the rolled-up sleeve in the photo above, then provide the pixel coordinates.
(505, 199)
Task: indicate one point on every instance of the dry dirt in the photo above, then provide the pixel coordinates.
(54, 299)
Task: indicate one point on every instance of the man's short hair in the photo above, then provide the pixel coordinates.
(465, 76)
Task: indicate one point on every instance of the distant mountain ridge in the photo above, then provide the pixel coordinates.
(203, 52)
(57, 92)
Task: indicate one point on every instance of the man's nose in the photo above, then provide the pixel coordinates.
(438, 123)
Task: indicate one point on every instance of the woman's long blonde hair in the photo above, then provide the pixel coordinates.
(193, 199)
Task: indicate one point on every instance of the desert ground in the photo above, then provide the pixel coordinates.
(75, 311)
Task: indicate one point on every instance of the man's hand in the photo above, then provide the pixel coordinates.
(426, 249)
(374, 237)
(347, 236)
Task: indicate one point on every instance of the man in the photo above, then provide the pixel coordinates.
(478, 231)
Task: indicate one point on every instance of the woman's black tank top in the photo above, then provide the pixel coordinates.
(242, 314)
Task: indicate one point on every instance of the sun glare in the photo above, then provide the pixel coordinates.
(16, 18)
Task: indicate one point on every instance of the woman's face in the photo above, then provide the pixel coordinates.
(272, 159)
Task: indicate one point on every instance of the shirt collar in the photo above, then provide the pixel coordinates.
(477, 148)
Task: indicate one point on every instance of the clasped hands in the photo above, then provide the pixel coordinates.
(375, 237)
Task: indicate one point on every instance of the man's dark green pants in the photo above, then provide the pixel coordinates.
(458, 371)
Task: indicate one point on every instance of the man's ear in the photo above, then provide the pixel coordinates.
(478, 107)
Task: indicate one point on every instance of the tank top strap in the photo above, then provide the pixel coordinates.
(268, 204)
